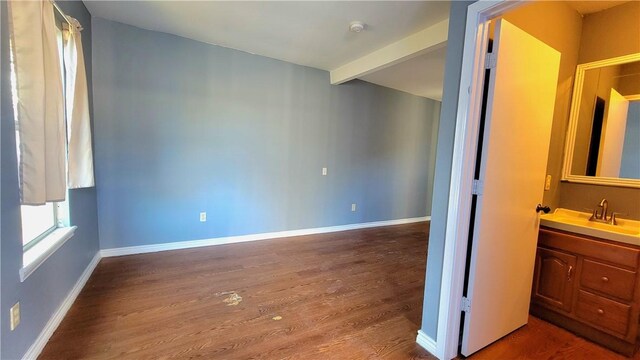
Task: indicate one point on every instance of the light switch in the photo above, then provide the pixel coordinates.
(353, 207)
(547, 183)
(203, 216)
(324, 171)
(14, 316)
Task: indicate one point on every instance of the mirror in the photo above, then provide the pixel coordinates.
(603, 140)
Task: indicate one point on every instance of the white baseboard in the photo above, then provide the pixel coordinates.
(251, 237)
(34, 351)
(427, 343)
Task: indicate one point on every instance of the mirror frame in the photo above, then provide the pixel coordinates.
(573, 126)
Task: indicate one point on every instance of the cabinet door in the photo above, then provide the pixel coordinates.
(553, 279)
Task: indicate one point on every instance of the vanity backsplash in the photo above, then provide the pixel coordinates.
(583, 197)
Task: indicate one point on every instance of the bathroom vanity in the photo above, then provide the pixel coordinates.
(586, 276)
(588, 284)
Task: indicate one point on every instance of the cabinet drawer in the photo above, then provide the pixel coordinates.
(608, 279)
(603, 313)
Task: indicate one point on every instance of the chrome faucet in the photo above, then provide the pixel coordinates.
(604, 204)
(602, 216)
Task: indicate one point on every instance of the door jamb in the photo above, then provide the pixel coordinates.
(463, 165)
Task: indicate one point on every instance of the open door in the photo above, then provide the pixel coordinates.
(520, 104)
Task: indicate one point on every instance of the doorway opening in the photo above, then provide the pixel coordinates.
(466, 212)
(470, 104)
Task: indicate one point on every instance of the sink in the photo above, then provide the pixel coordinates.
(627, 231)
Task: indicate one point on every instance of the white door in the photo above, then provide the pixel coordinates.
(521, 97)
(614, 127)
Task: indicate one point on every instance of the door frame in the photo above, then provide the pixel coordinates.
(463, 167)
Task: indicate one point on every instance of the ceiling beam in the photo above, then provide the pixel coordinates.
(432, 38)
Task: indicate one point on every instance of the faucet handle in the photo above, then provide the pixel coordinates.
(613, 220)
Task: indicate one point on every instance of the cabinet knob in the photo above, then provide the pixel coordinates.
(600, 311)
(605, 279)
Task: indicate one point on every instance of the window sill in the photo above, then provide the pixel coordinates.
(34, 257)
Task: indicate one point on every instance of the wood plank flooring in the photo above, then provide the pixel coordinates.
(349, 295)
(540, 340)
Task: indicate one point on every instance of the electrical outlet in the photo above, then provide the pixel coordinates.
(324, 171)
(353, 207)
(547, 183)
(203, 216)
(14, 316)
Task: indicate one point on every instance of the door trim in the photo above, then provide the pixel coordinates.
(463, 166)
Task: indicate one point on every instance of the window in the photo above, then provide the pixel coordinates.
(45, 227)
(38, 221)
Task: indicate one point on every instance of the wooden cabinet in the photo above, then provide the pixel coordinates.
(553, 278)
(589, 286)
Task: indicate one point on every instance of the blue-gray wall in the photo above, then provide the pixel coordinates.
(444, 158)
(630, 166)
(183, 127)
(41, 293)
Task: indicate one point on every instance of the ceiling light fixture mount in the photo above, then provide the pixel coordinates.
(356, 26)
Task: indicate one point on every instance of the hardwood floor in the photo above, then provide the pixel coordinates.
(349, 295)
(540, 340)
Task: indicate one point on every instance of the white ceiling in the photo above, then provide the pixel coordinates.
(422, 75)
(309, 33)
(591, 6)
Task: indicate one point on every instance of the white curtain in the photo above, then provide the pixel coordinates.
(80, 155)
(40, 107)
